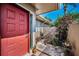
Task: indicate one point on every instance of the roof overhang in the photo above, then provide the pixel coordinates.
(43, 20)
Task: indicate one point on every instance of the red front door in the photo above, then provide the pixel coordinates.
(14, 30)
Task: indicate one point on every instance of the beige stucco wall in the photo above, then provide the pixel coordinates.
(73, 36)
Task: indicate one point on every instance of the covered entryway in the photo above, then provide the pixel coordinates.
(14, 30)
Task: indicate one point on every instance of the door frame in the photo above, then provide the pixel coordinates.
(31, 30)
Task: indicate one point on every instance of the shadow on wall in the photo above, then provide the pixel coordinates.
(73, 36)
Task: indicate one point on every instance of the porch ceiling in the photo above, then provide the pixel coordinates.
(45, 7)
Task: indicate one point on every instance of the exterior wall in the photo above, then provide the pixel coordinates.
(40, 24)
(40, 27)
(33, 27)
(73, 36)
